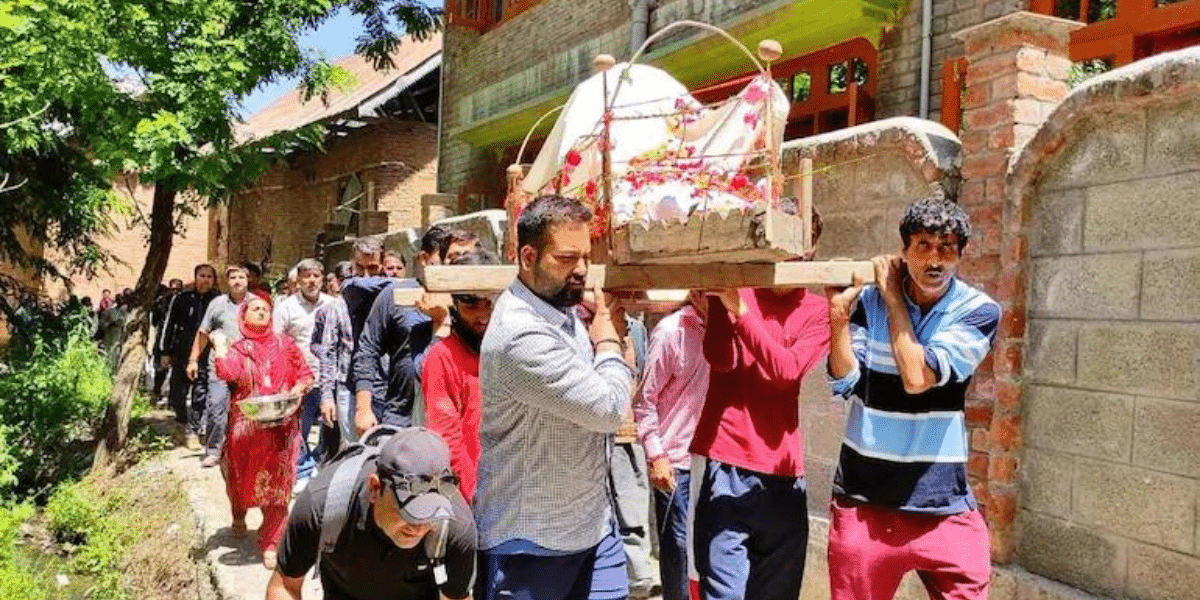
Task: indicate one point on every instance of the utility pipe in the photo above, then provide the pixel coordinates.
(926, 55)
(639, 25)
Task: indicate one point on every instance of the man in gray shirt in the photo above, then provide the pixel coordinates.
(221, 316)
(554, 391)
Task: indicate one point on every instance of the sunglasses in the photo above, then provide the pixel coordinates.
(468, 300)
(415, 485)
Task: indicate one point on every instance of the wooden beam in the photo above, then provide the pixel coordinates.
(495, 278)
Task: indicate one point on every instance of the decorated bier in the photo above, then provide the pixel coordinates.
(669, 179)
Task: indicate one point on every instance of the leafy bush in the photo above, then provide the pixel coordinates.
(96, 527)
(53, 394)
(15, 580)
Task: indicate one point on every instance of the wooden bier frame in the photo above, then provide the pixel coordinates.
(630, 278)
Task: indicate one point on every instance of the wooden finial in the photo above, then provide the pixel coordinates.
(770, 50)
(603, 62)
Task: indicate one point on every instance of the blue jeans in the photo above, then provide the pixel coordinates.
(310, 412)
(670, 512)
(751, 534)
(345, 413)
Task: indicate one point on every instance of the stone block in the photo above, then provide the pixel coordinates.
(1078, 421)
(1171, 285)
(1046, 479)
(1158, 574)
(1056, 223)
(1164, 436)
(1147, 214)
(1050, 352)
(1141, 359)
(1103, 286)
(1108, 147)
(1079, 556)
(1143, 505)
(858, 234)
(1174, 137)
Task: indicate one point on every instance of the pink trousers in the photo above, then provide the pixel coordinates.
(871, 547)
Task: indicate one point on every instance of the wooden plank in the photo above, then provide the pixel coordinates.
(495, 278)
(410, 297)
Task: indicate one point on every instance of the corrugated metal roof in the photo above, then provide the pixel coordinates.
(412, 59)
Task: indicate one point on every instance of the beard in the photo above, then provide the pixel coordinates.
(560, 294)
(469, 336)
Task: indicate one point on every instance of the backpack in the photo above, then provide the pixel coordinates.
(348, 464)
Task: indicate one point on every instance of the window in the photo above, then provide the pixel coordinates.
(829, 89)
(350, 203)
(1119, 32)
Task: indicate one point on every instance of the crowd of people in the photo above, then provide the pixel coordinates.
(523, 445)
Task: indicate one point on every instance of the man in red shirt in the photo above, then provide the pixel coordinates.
(750, 529)
(451, 378)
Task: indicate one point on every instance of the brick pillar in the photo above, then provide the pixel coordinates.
(1017, 73)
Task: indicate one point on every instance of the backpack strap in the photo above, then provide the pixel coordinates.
(349, 463)
(338, 496)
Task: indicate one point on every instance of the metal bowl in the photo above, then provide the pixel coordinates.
(270, 409)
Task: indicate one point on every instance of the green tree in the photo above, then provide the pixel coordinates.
(183, 67)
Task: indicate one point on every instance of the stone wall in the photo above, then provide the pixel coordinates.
(395, 161)
(1110, 474)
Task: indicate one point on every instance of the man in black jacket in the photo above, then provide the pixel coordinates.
(174, 344)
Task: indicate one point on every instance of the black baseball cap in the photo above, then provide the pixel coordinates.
(415, 464)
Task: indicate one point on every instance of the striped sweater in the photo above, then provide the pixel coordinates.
(909, 451)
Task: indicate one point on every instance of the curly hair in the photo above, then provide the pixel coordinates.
(935, 215)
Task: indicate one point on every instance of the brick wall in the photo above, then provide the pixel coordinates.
(546, 47)
(1110, 477)
(129, 243)
(898, 91)
(292, 202)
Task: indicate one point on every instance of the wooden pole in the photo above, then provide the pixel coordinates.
(496, 278)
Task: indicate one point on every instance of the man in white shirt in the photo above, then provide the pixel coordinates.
(295, 317)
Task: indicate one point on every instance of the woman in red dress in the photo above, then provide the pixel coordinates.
(259, 459)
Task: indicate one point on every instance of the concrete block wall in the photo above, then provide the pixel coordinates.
(394, 160)
(1110, 477)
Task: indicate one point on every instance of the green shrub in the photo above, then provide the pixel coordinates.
(84, 520)
(53, 393)
(16, 581)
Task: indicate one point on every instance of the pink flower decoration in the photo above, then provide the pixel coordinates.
(755, 93)
(739, 181)
(574, 158)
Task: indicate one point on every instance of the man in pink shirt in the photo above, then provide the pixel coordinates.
(674, 382)
(750, 529)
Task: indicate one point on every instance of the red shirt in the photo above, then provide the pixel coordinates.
(451, 386)
(751, 415)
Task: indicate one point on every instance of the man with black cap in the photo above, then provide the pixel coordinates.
(405, 533)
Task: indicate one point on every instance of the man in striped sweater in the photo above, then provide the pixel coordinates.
(904, 357)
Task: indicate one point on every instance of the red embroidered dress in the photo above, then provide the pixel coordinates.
(259, 460)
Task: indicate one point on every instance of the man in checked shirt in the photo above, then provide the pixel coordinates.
(554, 391)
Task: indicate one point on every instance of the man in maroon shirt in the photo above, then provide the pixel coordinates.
(751, 517)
